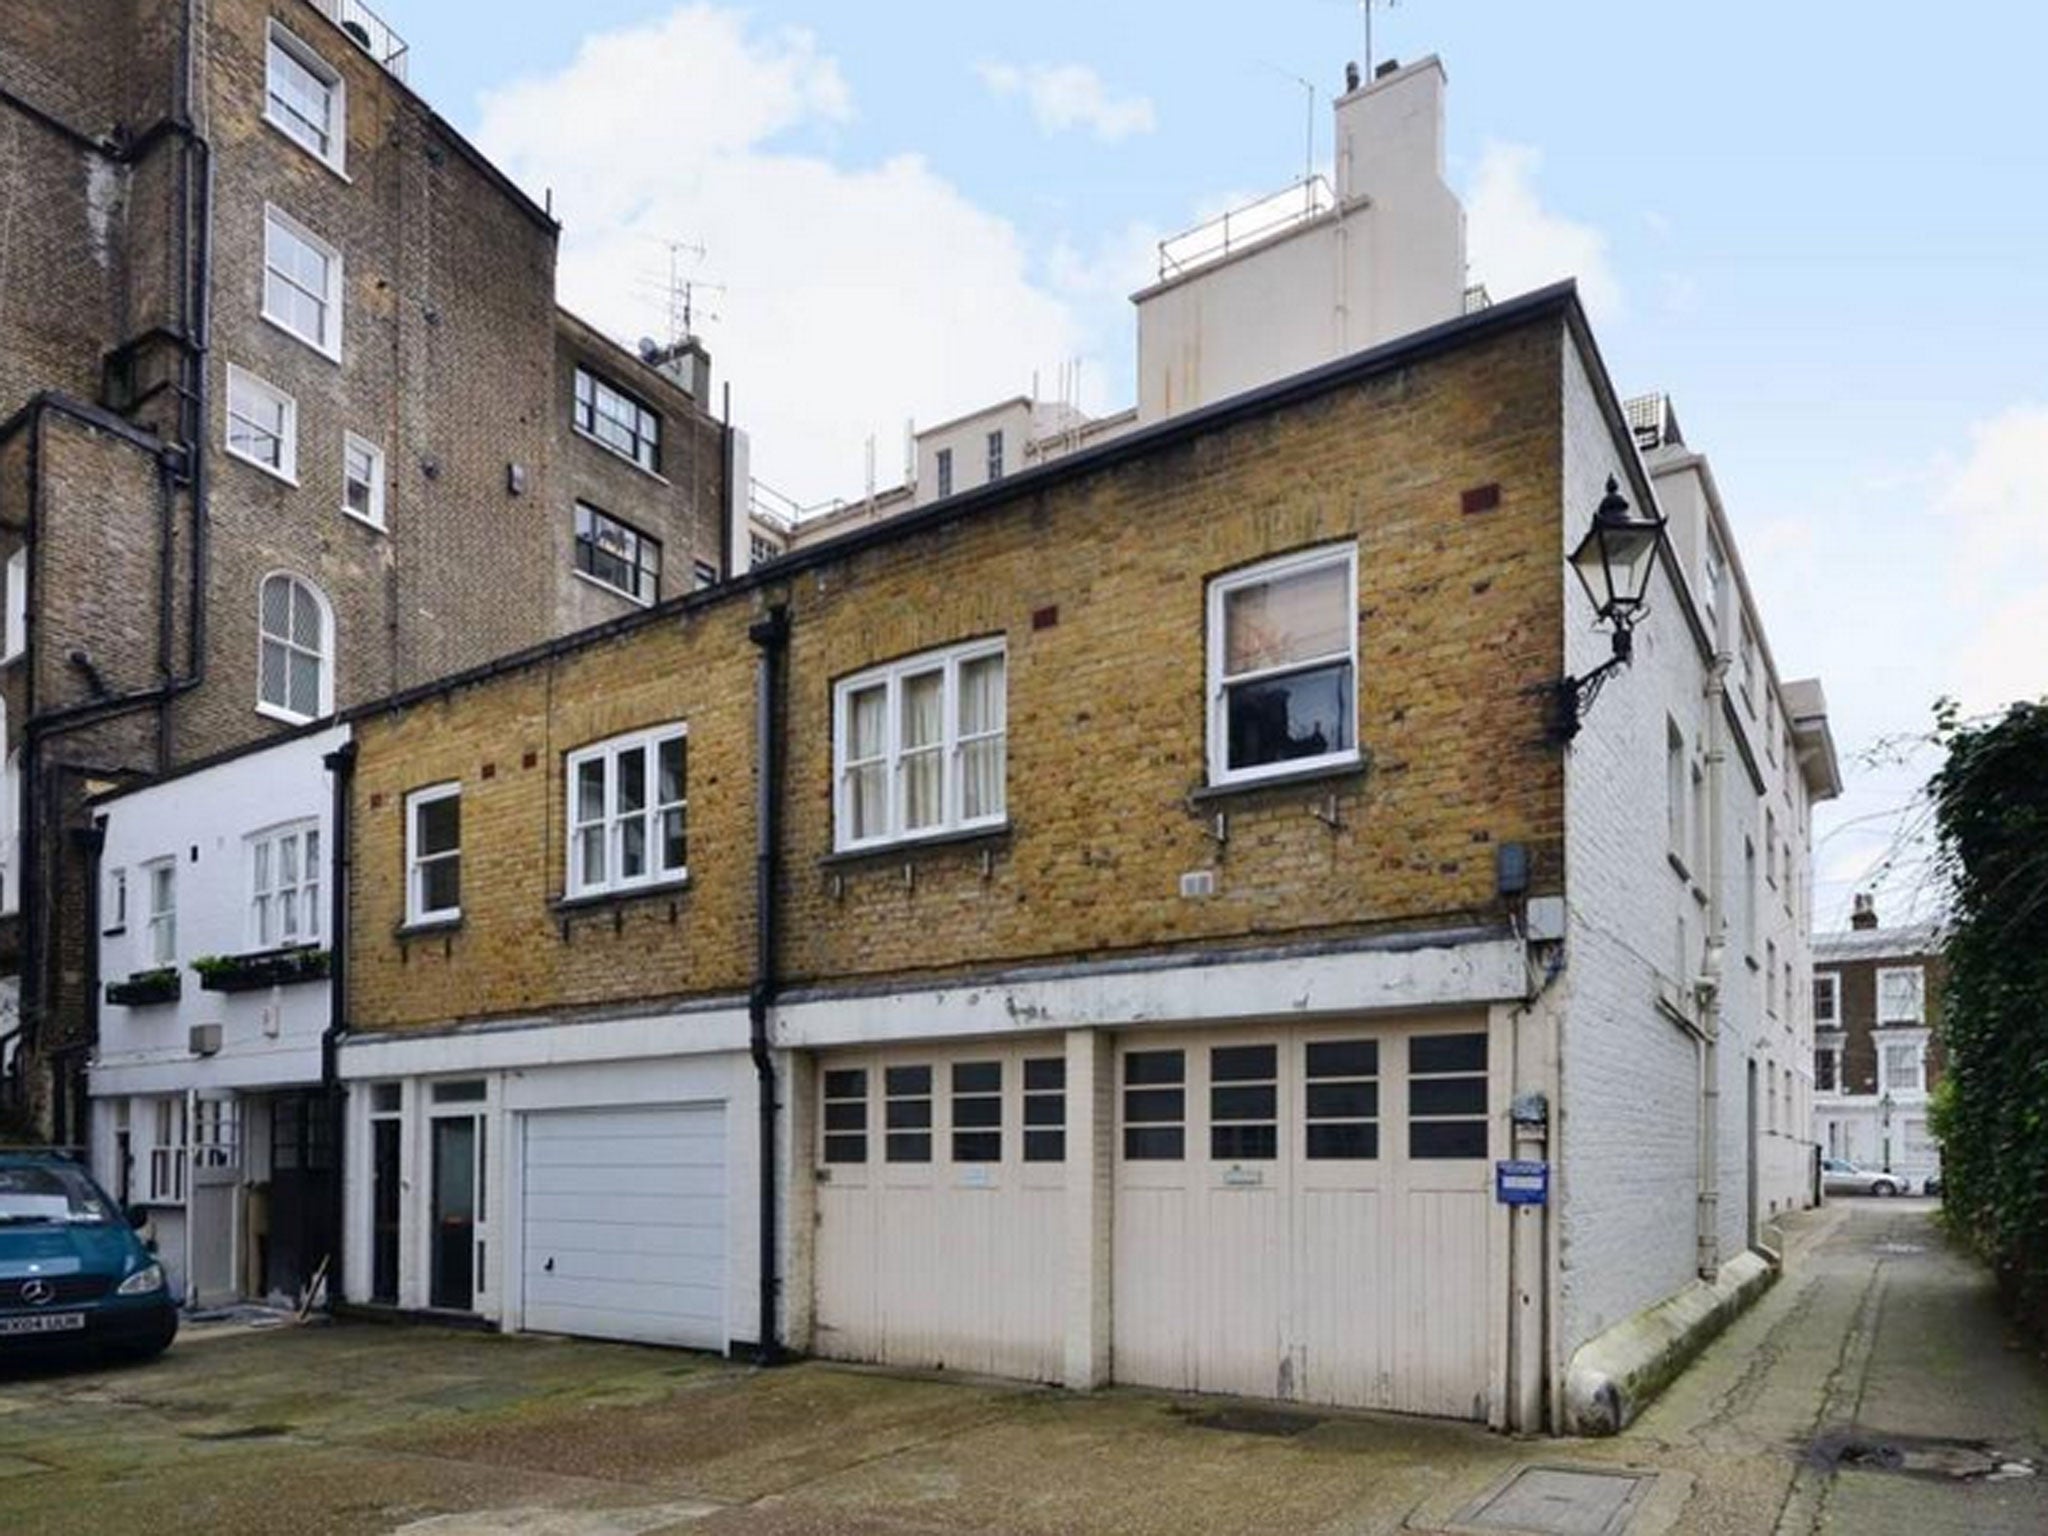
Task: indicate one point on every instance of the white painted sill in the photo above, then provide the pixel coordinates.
(605, 586)
(335, 168)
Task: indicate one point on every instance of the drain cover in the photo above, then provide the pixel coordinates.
(1559, 1501)
(1257, 1421)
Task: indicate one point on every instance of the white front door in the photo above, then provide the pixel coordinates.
(623, 1224)
(1305, 1213)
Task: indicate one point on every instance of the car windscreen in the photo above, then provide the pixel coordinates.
(50, 1192)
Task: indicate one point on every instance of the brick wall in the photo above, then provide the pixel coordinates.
(1459, 616)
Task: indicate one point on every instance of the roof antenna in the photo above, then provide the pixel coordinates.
(1365, 10)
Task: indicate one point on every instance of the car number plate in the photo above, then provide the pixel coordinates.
(44, 1322)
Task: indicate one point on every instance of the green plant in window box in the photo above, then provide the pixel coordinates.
(261, 969)
(140, 990)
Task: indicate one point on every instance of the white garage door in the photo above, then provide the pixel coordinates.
(1305, 1213)
(623, 1224)
(941, 1203)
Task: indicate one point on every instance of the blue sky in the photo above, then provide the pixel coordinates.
(1820, 228)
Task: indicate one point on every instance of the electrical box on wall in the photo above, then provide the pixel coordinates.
(1543, 922)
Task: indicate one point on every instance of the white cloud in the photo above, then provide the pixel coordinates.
(1994, 507)
(1517, 244)
(853, 293)
(1067, 96)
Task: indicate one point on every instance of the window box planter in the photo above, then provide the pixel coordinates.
(263, 969)
(145, 988)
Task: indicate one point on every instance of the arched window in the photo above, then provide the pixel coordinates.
(295, 672)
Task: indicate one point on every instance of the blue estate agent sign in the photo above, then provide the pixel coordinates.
(1518, 1183)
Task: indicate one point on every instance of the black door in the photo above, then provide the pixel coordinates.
(301, 1191)
(384, 1211)
(453, 1283)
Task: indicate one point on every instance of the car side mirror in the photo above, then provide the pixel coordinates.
(138, 1216)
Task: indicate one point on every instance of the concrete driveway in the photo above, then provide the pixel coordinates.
(367, 1428)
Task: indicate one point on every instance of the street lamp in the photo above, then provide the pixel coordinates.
(1613, 563)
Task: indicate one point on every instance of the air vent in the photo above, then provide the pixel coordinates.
(1198, 883)
(205, 1039)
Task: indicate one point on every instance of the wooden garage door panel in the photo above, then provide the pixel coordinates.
(624, 1224)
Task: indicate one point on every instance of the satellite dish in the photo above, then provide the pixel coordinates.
(648, 347)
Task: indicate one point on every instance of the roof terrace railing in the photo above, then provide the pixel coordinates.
(1297, 203)
(368, 31)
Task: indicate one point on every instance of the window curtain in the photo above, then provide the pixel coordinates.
(924, 732)
(982, 739)
(867, 786)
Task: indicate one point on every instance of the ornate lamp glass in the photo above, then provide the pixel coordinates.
(1615, 558)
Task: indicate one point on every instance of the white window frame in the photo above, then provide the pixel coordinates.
(1919, 1013)
(325, 656)
(1914, 1040)
(16, 639)
(1677, 788)
(1220, 588)
(114, 915)
(268, 893)
(943, 471)
(1832, 1019)
(417, 913)
(643, 416)
(283, 40)
(890, 677)
(648, 743)
(352, 442)
(642, 542)
(160, 923)
(1832, 1050)
(328, 342)
(995, 446)
(287, 466)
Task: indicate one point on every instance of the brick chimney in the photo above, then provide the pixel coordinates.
(1863, 913)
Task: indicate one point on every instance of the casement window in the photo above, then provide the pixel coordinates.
(977, 1111)
(945, 472)
(846, 1115)
(160, 932)
(618, 421)
(114, 905)
(433, 854)
(305, 98)
(16, 638)
(1901, 995)
(263, 425)
(617, 555)
(362, 479)
(301, 283)
(1341, 1111)
(1902, 1066)
(284, 886)
(995, 456)
(1283, 666)
(1154, 1106)
(295, 662)
(907, 1114)
(1827, 1000)
(920, 746)
(628, 812)
(1447, 1096)
(1045, 1109)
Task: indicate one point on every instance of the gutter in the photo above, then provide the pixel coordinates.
(1707, 1235)
(771, 634)
(341, 764)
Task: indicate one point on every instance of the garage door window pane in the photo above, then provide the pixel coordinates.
(1447, 1096)
(846, 1116)
(1045, 1110)
(907, 1114)
(1341, 1100)
(1244, 1102)
(1153, 1111)
(977, 1111)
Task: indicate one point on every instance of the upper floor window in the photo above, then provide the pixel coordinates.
(1827, 1069)
(301, 282)
(616, 419)
(1747, 662)
(295, 672)
(617, 555)
(305, 98)
(16, 640)
(362, 479)
(704, 573)
(1902, 1067)
(1901, 995)
(433, 854)
(1771, 848)
(1827, 1000)
(919, 745)
(628, 812)
(1749, 898)
(945, 471)
(1712, 579)
(1283, 666)
(263, 424)
(761, 550)
(1675, 788)
(284, 886)
(114, 915)
(995, 456)
(160, 934)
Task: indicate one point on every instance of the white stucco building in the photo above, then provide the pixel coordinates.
(207, 1099)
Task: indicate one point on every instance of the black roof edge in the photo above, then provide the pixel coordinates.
(1559, 299)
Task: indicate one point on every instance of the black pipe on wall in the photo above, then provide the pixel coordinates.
(771, 634)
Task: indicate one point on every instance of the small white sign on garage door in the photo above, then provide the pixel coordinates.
(624, 1224)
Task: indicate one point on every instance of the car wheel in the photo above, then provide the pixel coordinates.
(1884, 1187)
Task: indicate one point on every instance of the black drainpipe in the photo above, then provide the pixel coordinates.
(341, 764)
(771, 634)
